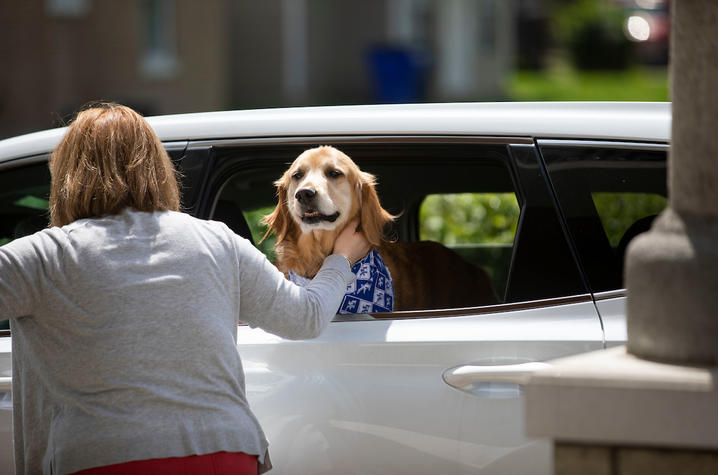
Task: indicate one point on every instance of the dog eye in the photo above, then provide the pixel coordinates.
(297, 175)
(334, 174)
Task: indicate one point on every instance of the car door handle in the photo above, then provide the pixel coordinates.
(467, 377)
(5, 384)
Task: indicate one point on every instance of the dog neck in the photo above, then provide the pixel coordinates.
(305, 254)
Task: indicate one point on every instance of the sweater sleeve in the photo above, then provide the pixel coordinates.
(18, 270)
(269, 301)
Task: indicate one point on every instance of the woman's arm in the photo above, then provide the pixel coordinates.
(18, 273)
(268, 300)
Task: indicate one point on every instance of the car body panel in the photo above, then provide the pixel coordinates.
(647, 122)
(370, 394)
(6, 450)
(613, 315)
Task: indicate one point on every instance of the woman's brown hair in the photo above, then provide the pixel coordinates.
(110, 159)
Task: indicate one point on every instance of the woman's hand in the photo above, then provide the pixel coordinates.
(351, 244)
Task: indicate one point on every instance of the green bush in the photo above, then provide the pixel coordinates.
(618, 211)
(592, 32)
(254, 221)
(469, 218)
(565, 84)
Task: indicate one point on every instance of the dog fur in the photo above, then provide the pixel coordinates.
(321, 192)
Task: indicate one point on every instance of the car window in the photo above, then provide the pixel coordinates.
(608, 195)
(463, 196)
(479, 226)
(24, 193)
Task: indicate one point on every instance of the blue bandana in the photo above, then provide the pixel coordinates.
(371, 292)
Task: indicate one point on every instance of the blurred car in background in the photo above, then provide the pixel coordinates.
(648, 24)
(544, 196)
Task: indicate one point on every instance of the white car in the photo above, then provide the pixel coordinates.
(544, 196)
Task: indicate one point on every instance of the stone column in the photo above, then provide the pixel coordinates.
(672, 270)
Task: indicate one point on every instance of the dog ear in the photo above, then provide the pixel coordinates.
(279, 221)
(373, 217)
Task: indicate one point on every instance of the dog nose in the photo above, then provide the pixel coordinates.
(305, 195)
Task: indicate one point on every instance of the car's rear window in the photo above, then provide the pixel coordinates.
(608, 195)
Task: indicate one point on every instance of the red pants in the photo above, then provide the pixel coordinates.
(220, 463)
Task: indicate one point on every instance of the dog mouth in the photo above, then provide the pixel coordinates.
(312, 216)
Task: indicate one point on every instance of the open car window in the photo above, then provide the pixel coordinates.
(463, 196)
(480, 227)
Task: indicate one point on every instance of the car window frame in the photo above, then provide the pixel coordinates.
(219, 176)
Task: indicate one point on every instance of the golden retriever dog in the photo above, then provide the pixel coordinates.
(321, 192)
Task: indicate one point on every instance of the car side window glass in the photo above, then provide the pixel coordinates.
(480, 227)
(24, 194)
(608, 195)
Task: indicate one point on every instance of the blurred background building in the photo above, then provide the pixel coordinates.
(173, 56)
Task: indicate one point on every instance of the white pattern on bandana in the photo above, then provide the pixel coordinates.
(371, 292)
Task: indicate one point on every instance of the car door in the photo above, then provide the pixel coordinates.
(429, 391)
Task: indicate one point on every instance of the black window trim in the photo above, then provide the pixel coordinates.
(362, 138)
(170, 146)
(23, 161)
(609, 294)
(625, 145)
(474, 311)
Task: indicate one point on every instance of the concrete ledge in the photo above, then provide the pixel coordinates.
(571, 459)
(609, 397)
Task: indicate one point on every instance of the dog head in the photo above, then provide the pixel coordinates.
(322, 190)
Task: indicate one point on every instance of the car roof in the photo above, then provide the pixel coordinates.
(617, 121)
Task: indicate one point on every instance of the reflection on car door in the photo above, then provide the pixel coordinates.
(368, 395)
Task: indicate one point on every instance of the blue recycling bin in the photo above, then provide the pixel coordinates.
(397, 74)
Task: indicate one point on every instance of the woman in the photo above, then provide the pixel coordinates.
(124, 315)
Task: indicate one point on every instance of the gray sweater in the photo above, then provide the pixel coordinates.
(124, 335)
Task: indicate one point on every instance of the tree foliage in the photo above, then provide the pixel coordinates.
(618, 211)
(469, 218)
(254, 221)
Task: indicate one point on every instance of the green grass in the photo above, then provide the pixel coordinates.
(566, 84)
